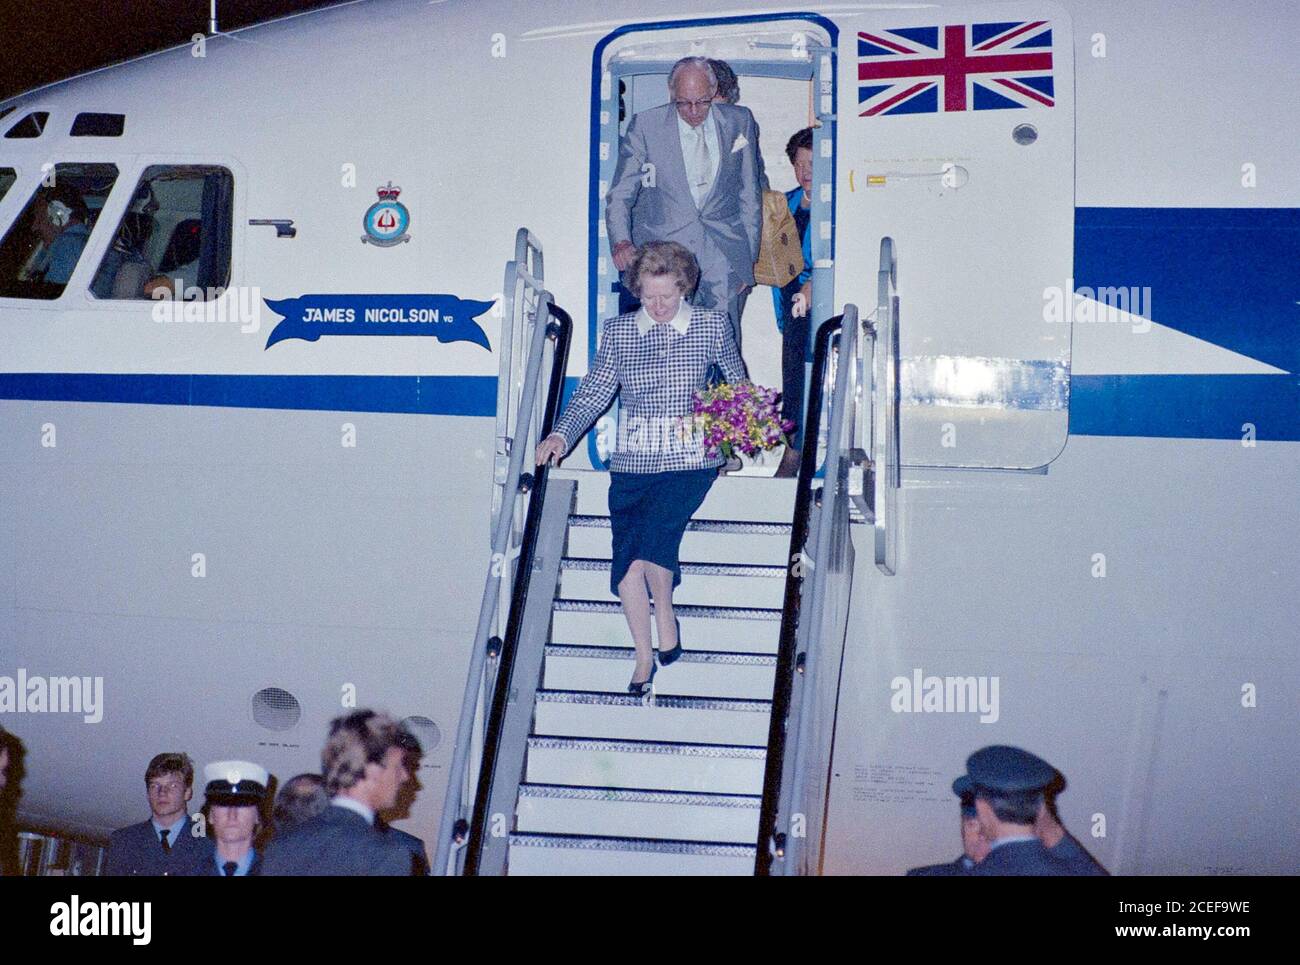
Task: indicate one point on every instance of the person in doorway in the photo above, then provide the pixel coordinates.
(657, 357)
(688, 172)
(793, 302)
(729, 93)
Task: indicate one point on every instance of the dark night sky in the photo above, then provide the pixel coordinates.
(47, 40)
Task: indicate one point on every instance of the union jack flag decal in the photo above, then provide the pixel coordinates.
(978, 66)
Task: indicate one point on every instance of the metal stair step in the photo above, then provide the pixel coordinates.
(731, 629)
(637, 813)
(700, 673)
(739, 527)
(547, 854)
(768, 545)
(740, 584)
(712, 720)
(662, 765)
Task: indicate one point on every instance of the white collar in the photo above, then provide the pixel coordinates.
(679, 321)
(352, 804)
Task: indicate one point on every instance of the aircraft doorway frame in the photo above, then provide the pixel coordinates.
(820, 67)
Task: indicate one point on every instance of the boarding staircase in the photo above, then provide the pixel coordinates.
(723, 770)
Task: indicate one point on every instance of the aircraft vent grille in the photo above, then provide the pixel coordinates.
(426, 732)
(276, 709)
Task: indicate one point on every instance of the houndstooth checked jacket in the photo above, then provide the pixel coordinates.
(657, 373)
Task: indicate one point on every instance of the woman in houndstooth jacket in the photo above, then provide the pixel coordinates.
(659, 475)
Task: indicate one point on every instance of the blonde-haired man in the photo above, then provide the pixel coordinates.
(364, 767)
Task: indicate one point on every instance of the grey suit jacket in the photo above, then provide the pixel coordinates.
(723, 233)
(337, 842)
(137, 850)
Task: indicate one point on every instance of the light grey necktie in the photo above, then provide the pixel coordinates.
(700, 177)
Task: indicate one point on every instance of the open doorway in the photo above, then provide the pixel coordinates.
(785, 68)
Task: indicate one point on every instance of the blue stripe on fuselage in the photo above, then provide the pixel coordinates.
(1225, 275)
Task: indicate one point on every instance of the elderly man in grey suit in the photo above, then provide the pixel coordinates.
(688, 172)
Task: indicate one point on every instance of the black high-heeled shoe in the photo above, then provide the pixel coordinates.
(643, 687)
(669, 656)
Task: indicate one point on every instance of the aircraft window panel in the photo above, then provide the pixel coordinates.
(175, 234)
(90, 124)
(7, 178)
(32, 125)
(44, 244)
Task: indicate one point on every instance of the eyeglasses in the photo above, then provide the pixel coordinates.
(698, 105)
(159, 788)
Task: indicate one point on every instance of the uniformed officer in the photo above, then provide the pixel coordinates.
(236, 796)
(1009, 785)
(974, 847)
(166, 844)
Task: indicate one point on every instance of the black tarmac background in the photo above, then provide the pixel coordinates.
(42, 41)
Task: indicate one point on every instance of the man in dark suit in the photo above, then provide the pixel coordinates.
(1009, 785)
(301, 798)
(169, 843)
(405, 798)
(364, 768)
(974, 847)
(235, 798)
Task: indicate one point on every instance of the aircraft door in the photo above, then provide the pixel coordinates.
(960, 145)
(786, 67)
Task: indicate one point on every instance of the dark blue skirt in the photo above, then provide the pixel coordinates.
(648, 513)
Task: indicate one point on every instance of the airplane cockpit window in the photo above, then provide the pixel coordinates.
(7, 178)
(45, 242)
(175, 236)
(91, 124)
(30, 126)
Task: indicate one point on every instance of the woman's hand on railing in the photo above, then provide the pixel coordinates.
(550, 449)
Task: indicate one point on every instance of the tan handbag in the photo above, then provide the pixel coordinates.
(780, 253)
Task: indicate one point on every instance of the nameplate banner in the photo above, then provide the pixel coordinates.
(446, 317)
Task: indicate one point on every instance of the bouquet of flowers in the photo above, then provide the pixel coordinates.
(738, 417)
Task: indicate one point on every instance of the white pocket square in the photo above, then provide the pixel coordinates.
(740, 143)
